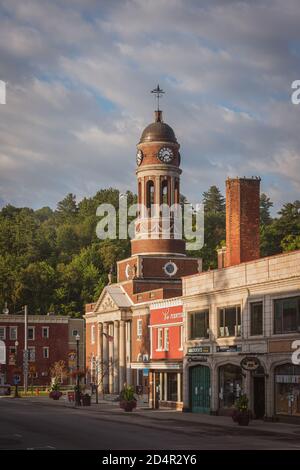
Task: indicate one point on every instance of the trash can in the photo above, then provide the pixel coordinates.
(86, 400)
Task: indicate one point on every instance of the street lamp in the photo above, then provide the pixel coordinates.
(77, 398)
(16, 364)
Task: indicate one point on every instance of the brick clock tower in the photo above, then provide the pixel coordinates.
(158, 258)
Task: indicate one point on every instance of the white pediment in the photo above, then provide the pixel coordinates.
(112, 298)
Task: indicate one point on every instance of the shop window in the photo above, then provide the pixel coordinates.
(287, 315)
(172, 387)
(230, 385)
(230, 321)
(256, 318)
(287, 390)
(199, 324)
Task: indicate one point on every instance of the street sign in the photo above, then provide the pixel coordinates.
(17, 379)
(198, 350)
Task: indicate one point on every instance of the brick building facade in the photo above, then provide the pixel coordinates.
(50, 339)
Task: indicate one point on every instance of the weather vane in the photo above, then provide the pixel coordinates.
(158, 92)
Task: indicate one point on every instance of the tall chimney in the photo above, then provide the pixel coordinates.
(242, 220)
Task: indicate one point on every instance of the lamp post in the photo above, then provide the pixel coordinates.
(77, 398)
(16, 364)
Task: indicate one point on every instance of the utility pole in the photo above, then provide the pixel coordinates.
(25, 364)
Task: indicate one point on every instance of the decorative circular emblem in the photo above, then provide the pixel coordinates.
(139, 157)
(165, 155)
(170, 268)
(250, 363)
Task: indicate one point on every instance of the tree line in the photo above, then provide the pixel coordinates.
(53, 261)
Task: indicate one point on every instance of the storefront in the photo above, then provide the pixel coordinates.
(287, 390)
(230, 387)
(166, 340)
(166, 386)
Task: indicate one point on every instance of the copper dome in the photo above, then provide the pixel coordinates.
(158, 131)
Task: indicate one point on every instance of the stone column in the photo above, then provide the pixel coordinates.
(161, 390)
(111, 359)
(105, 358)
(100, 357)
(179, 386)
(128, 353)
(116, 356)
(214, 384)
(165, 386)
(185, 387)
(122, 355)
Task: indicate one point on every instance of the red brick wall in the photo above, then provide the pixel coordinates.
(58, 343)
(157, 246)
(242, 220)
(140, 345)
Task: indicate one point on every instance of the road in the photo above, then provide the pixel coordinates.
(29, 425)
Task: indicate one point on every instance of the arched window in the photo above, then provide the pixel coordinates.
(176, 192)
(139, 196)
(150, 195)
(164, 192)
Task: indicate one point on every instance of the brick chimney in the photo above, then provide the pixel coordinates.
(242, 220)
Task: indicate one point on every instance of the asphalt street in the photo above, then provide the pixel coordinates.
(28, 425)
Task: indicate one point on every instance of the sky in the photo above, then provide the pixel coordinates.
(79, 75)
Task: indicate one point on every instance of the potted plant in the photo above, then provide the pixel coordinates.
(241, 413)
(127, 398)
(55, 393)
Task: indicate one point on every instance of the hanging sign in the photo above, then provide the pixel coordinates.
(250, 363)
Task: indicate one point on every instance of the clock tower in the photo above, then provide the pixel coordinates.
(158, 248)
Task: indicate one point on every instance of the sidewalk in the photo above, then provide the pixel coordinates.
(187, 422)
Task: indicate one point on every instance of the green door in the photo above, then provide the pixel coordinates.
(200, 389)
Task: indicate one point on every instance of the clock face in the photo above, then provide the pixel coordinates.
(170, 268)
(165, 155)
(139, 157)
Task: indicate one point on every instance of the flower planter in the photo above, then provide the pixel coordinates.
(55, 395)
(243, 418)
(128, 405)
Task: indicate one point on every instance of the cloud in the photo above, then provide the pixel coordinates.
(79, 77)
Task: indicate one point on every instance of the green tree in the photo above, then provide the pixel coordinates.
(265, 205)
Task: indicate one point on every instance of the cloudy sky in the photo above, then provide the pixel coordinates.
(79, 75)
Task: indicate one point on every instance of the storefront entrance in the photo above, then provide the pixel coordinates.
(200, 389)
(259, 396)
(287, 390)
(230, 387)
